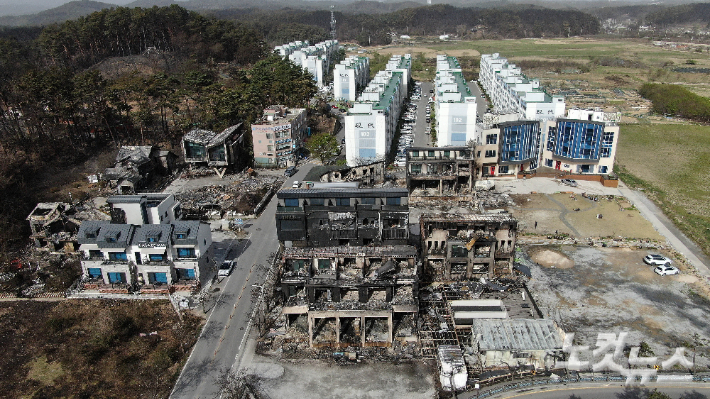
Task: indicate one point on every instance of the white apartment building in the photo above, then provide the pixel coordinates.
(455, 105)
(315, 59)
(510, 91)
(350, 76)
(371, 122)
(149, 208)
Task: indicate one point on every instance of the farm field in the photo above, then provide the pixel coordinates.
(670, 163)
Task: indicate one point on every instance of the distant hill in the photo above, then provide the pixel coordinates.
(687, 13)
(71, 10)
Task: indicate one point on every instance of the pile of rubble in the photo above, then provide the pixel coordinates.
(241, 196)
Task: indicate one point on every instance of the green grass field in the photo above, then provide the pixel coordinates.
(671, 162)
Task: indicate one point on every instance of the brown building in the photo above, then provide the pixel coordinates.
(351, 296)
(461, 247)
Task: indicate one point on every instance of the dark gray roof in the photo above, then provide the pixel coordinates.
(189, 227)
(161, 232)
(137, 154)
(91, 227)
(137, 198)
(208, 137)
(342, 193)
(122, 233)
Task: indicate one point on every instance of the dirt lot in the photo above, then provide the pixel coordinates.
(556, 212)
(92, 348)
(316, 379)
(612, 290)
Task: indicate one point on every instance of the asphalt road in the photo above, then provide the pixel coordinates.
(223, 339)
(603, 392)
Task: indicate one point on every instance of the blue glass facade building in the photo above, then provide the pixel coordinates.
(520, 142)
(579, 140)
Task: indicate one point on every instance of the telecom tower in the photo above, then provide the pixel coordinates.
(332, 23)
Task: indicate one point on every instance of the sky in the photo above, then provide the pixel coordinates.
(19, 7)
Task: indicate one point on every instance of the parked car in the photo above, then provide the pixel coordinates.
(342, 141)
(569, 182)
(665, 270)
(225, 269)
(296, 184)
(656, 260)
(290, 171)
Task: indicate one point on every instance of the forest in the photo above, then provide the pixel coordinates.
(125, 76)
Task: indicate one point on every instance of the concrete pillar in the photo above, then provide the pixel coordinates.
(337, 329)
(310, 330)
(390, 328)
(363, 330)
(389, 293)
(441, 184)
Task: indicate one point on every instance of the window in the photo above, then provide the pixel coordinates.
(548, 163)
(156, 257)
(94, 272)
(323, 264)
(416, 168)
(368, 201)
(394, 201)
(181, 235)
(95, 253)
(291, 225)
(503, 169)
(490, 153)
(117, 256)
(269, 148)
(291, 201)
(458, 251)
(186, 253)
(342, 202)
(112, 236)
(492, 139)
(269, 136)
(447, 154)
(603, 169)
(316, 201)
(430, 153)
(91, 233)
(414, 153)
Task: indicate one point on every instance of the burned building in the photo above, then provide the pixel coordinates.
(458, 247)
(440, 171)
(366, 175)
(351, 296)
(328, 217)
(136, 167)
(52, 226)
(216, 150)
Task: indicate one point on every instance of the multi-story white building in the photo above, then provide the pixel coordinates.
(371, 122)
(455, 106)
(148, 208)
(511, 91)
(315, 59)
(149, 254)
(278, 135)
(582, 143)
(350, 76)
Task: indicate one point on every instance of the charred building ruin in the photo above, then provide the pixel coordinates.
(440, 171)
(458, 247)
(351, 296)
(329, 217)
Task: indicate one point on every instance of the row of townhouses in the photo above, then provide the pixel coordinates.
(350, 76)
(144, 246)
(371, 122)
(315, 59)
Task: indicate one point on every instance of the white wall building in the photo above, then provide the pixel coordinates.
(371, 122)
(455, 106)
(149, 208)
(511, 91)
(316, 59)
(350, 76)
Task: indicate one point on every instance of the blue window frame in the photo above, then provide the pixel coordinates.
(94, 272)
(394, 201)
(161, 278)
(342, 201)
(120, 256)
(519, 142)
(114, 278)
(579, 139)
(291, 202)
(603, 169)
(186, 252)
(156, 257)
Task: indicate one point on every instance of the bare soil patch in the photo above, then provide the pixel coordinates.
(551, 258)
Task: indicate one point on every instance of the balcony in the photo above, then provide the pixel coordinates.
(155, 289)
(394, 234)
(280, 208)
